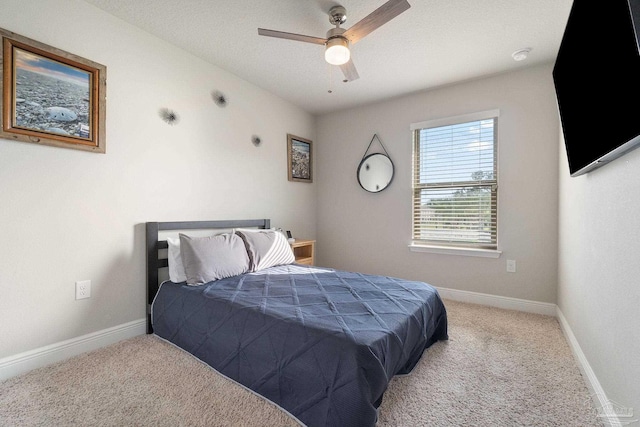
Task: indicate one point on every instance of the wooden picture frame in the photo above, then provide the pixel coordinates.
(50, 96)
(299, 159)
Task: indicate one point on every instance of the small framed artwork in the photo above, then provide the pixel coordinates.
(50, 96)
(299, 153)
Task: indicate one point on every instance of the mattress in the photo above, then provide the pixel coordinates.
(322, 344)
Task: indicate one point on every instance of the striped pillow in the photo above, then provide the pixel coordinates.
(266, 248)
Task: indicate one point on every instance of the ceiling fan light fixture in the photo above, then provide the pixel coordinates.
(337, 51)
(338, 39)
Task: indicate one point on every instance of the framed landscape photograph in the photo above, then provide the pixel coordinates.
(50, 96)
(299, 154)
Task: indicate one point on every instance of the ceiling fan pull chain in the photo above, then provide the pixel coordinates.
(330, 79)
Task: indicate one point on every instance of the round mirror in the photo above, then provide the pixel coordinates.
(375, 172)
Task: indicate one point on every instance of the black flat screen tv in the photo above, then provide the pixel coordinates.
(597, 82)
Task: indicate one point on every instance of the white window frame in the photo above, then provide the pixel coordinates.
(453, 249)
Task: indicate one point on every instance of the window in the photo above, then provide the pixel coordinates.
(455, 182)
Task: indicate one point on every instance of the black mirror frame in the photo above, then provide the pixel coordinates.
(393, 170)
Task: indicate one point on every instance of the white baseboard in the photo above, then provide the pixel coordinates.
(507, 303)
(605, 407)
(43, 356)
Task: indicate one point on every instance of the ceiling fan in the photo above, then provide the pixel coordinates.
(338, 39)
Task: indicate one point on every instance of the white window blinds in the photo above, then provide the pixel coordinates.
(455, 181)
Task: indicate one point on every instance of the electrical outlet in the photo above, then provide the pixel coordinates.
(511, 265)
(83, 289)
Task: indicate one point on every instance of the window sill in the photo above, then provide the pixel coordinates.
(447, 250)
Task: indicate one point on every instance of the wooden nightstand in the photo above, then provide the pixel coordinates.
(304, 250)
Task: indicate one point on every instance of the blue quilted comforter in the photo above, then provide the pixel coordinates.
(322, 344)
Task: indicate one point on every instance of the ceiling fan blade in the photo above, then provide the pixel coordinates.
(291, 36)
(349, 71)
(375, 19)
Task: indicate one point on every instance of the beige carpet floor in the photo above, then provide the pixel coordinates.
(499, 368)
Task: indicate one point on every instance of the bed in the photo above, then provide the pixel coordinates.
(320, 343)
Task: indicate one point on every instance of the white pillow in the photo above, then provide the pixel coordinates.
(177, 273)
(252, 230)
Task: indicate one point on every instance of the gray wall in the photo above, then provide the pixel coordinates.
(370, 232)
(599, 270)
(68, 215)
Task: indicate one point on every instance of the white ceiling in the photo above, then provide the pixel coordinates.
(434, 43)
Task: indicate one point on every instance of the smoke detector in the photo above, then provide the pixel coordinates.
(521, 55)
